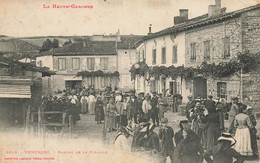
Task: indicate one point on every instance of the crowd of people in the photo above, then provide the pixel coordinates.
(203, 134)
(213, 128)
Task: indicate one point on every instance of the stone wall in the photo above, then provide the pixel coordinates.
(251, 31)
(251, 89)
(215, 34)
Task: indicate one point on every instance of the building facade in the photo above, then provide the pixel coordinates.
(99, 61)
(216, 37)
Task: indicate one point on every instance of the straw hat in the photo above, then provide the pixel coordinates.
(227, 137)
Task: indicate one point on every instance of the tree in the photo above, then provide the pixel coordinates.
(48, 44)
(55, 43)
(67, 43)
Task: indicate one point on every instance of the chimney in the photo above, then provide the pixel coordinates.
(182, 18)
(214, 10)
(184, 13)
(84, 43)
(118, 38)
(150, 29)
(218, 4)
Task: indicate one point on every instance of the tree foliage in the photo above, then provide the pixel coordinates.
(48, 44)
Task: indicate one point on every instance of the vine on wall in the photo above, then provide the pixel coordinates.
(245, 61)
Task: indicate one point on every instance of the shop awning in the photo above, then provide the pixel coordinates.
(15, 88)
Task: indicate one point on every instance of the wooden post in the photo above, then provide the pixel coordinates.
(104, 136)
(39, 121)
(27, 121)
(70, 125)
(241, 85)
(32, 124)
(63, 123)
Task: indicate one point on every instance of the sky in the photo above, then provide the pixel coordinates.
(26, 18)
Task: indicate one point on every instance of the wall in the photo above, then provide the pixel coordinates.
(158, 43)
(251, 87)
(46, 61)
(125, 60)
(168, 42)
(251, 31)
(214, 33)
(112, 63)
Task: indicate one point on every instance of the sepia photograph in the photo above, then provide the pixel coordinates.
(145, 81)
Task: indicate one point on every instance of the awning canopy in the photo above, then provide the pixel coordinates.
(15, 88)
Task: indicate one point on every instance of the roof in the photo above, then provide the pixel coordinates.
(196, 22)
(94, 47)
(27, 66)
(91, 48)
(127, 41)
(17, 48)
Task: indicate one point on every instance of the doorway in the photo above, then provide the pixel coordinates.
(200, 87)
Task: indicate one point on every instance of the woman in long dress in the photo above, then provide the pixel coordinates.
(242, 122)
(189, 150)
(99, 110)
(84, 103)
(111, 114)
(91, 104)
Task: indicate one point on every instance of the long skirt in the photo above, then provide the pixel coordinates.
(91, 107)
(84, 107)
(243, 145)
(213, 133)
(111, 121)
(99, 116)
(121, 120)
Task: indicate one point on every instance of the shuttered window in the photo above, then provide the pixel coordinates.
(62, 64)
(103, 63)
(206, 45)
(226, 47)
(91, 63)
(193, 51)
(163, 55)
(174, 54)
(154, 57)
(75, 63)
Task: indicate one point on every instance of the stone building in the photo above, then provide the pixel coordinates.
(98, 61)
(214, 37)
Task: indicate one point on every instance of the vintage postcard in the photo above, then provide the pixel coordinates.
(129, 81)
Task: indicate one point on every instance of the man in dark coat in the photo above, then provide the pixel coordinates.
(210, 104)
(132, 108)
(155, 110)
(166, 134)
(189, 106)
(140, 100)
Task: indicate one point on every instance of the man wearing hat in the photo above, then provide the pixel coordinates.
(222, 151)
(232, 109)
(166, 134)
(140, 100)
(132, 108)
(189, 106)
(155, 110)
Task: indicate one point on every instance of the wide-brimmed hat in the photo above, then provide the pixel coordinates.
(190, 96)
(234, 98)
(164, 120)
(184, 124)
(144, 123)
(227, 137)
